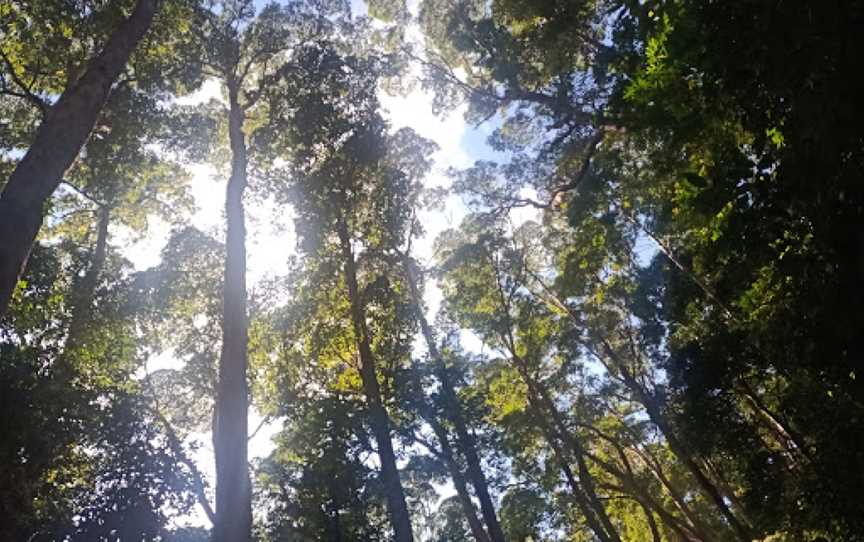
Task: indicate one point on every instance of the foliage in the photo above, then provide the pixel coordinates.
(669, 344)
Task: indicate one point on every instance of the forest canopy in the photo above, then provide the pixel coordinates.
(431, 270)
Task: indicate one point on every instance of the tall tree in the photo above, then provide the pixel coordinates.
(490, 302)
(353, 186)
(85, 455)
(58, 140)
(453, 410)
(245, 52)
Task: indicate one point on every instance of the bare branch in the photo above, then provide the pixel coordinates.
(177, 448)
(83, 193)
(265, 420)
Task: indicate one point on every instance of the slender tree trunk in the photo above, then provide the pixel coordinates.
(612, 361)
(85, 289)
(233, 488)
(59, 139)
(576, 489)
(378, 417)
(542, 403)
(714, 472)
(709, 489)
(464, 439)
(695, 523)
(83, 292)
(586, 479)
(459, 483)
(585, 489)
(177, 447)
(743, 388)
(652, 525)
(632, 486)
(792, 441)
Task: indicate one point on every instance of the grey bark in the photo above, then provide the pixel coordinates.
(233, 488)
(465, 441)
(64, 130)
(378, 417)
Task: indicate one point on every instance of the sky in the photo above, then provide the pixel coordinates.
(270, 236)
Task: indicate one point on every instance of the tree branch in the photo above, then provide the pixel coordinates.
(265, 420)
(177, 447)
(26, 92)
(83, 193)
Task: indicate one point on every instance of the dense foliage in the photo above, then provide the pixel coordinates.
(646, 326)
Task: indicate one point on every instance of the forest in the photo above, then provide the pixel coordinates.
(431, 270)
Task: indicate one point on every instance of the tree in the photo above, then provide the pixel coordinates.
(245, 53)
(353, 186)
(453, 411)
(86, 458)
(109, 467)
(490, 302)
(316, 482)
(649, 325)
(710, 159)
(58, 140)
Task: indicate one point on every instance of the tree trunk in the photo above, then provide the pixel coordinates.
(652, 525)
(464, 439)
(708, 488)
(615, 364)
(233, 488)
(85, 289)
(773, 421)
(632, 486)
(64, 130)
(378, 417)
(177, 448)
(792, 441)
(459, 483)
(586, 479)
(542, 404)
(576, 489)
(695, 522)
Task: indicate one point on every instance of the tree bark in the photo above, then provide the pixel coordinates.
(233, 488)
(772, 421)
(459, 483)
(612, 363)
(64, 130)
(378, 417)
(85, 289)
(586, 479)
(464, 439)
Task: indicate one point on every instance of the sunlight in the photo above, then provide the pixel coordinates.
(253, 289)
(270, 239)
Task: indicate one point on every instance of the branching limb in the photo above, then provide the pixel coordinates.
(26, 92)
(176, 445)
(83, 193)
